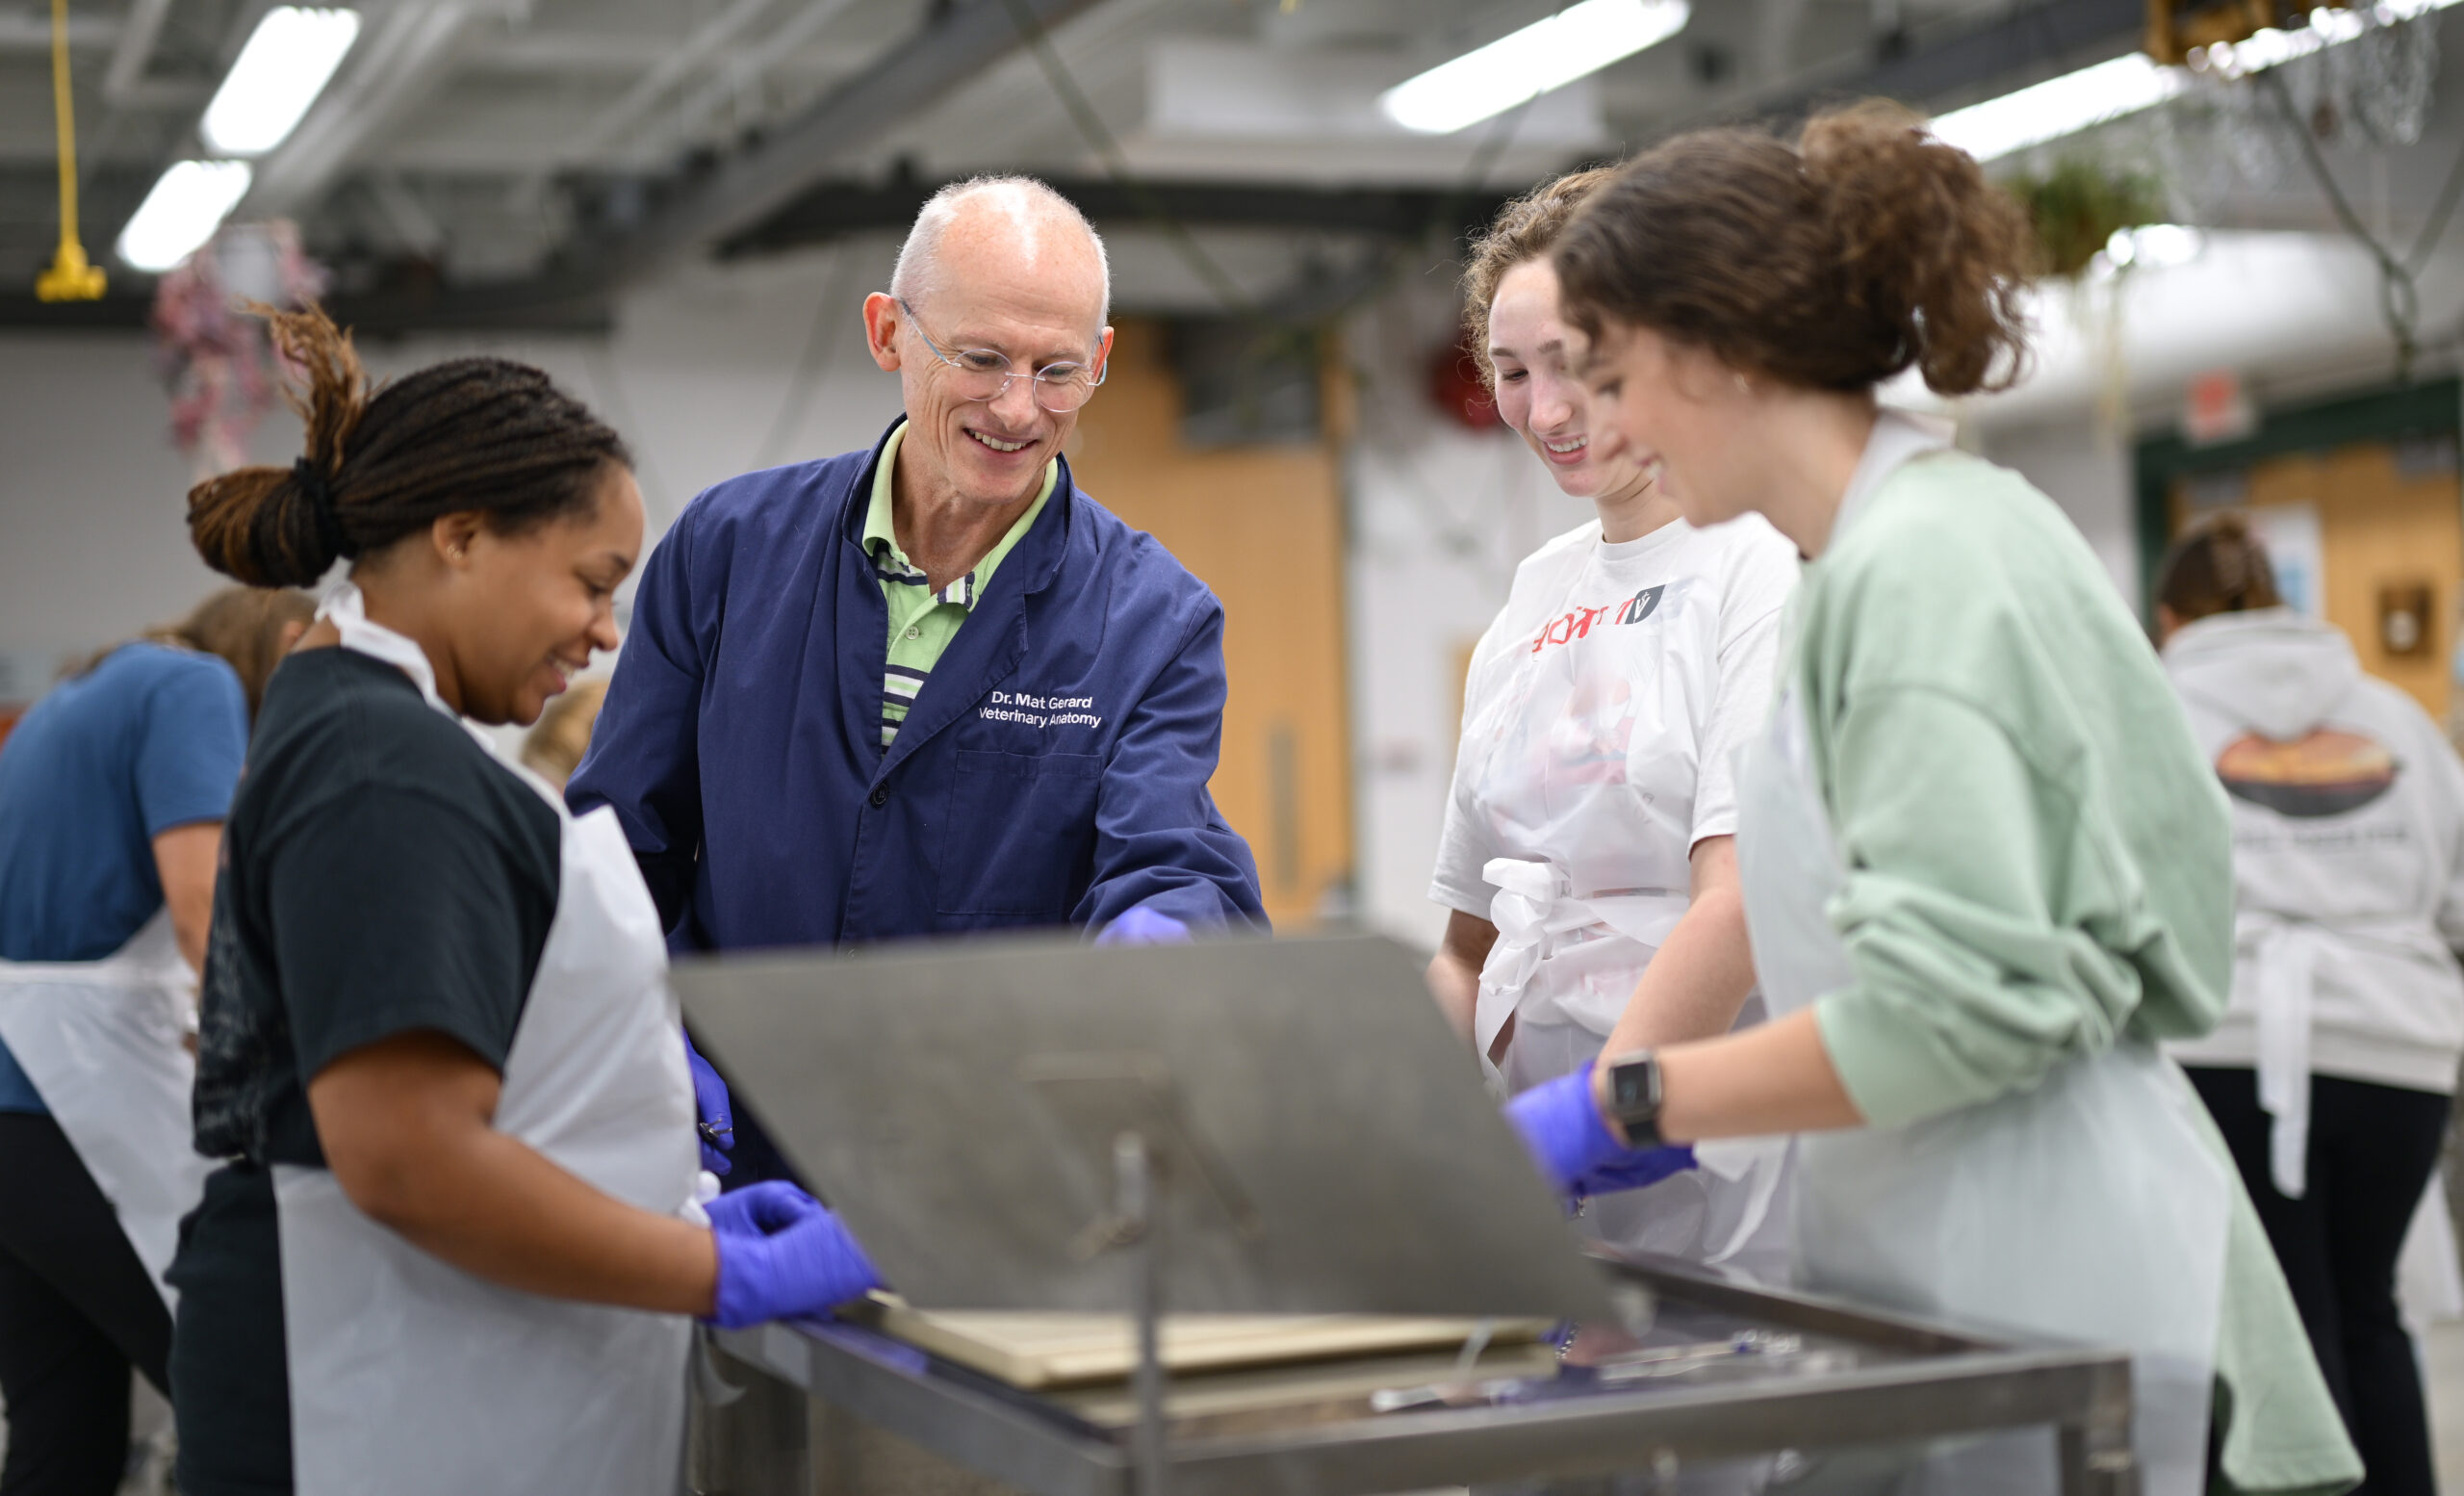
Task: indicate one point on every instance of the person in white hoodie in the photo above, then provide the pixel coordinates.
(2332, 1071)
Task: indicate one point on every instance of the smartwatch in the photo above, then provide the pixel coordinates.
(1635, 1096)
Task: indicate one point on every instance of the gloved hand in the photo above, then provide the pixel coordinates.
(1635, 1168)
(711, 1119)
(1570, 1142)
(1143, 926)
(782, 1253)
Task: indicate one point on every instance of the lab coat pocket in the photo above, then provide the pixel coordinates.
(1020, 835)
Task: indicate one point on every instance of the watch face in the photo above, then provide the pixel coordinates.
(1632, 1084)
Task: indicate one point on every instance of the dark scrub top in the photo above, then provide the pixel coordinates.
(383, 874)
(149, 740)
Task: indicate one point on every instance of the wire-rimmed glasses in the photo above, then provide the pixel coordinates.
(984, 374)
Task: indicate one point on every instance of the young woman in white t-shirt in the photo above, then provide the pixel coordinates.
(1588, 853)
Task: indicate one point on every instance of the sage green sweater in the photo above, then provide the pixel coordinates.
(2039, 858)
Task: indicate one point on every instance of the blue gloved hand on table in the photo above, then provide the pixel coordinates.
(711, 1119)
(1143, 926)
(782, 1254)
(1561, 1124)
(1635, 1168)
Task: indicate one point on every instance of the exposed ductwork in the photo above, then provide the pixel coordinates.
(413, 46)
(960, 42)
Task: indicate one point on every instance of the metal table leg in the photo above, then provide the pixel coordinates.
(758, 1443)
(2096, 1460)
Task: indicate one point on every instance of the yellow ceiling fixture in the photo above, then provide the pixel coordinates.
(71, 277)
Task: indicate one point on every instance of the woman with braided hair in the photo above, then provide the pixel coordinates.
(2332, 1071)
(457, 1239)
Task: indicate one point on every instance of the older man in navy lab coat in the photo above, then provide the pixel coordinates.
(932, 687)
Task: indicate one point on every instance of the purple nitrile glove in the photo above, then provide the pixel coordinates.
(1561, 1124)
(782, 1253)
(710, 1120)
(1143, 926)
(1636, 1169)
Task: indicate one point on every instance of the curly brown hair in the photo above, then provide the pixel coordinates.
(1526, 229)
(484, 434)
(1866, 247)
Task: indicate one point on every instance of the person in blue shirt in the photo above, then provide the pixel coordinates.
(113, 793)
(931, 687)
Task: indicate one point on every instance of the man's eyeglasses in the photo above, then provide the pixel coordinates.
(984, 374)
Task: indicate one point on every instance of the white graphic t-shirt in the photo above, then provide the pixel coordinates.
(1607, 703)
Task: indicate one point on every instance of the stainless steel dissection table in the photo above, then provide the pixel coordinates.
(1715, 1372)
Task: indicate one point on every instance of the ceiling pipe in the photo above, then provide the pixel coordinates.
(2000, 52)
(960, 42)
(125, 84)
(30, 30)
(588, 54)
(672, 68)
(746, 68)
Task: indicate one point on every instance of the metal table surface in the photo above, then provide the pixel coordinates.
(1810, 1374)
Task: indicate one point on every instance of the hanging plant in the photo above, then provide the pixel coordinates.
(2078, 203)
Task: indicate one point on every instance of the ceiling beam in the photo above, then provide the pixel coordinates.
(2033, 40)
(29, 31)
(835, 209)
(960, 41)
(539, 305)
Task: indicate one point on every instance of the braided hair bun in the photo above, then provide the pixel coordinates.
(385, 462)
(280, 527)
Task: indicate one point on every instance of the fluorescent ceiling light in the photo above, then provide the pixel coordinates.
(287, 62)
(1514, 69)
(181, 212)
(2155, 245)
(2060, 106)
(2123, 85)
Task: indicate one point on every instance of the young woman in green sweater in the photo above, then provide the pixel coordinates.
(1985, 866)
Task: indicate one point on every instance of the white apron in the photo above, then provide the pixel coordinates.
(2089, 1208)
(410, 1376)
(1588, 772)
(102, 1042)
(2285, 953)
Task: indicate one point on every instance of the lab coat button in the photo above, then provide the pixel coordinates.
(880, 796)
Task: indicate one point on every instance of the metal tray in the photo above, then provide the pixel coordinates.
(1723, 1372)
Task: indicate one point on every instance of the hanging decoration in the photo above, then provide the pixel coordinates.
(2079, 203)
(212, 352)
(71, 277)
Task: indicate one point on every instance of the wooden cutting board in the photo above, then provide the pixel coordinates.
(1036, 1350)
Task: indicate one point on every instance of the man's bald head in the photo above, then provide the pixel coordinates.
(1016, 217)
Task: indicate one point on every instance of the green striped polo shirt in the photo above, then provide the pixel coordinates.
(923, 622)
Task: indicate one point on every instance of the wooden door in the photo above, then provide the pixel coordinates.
(1263, 527)
(2389, 521)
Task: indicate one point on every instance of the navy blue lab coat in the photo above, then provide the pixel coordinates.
(1052, 771)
